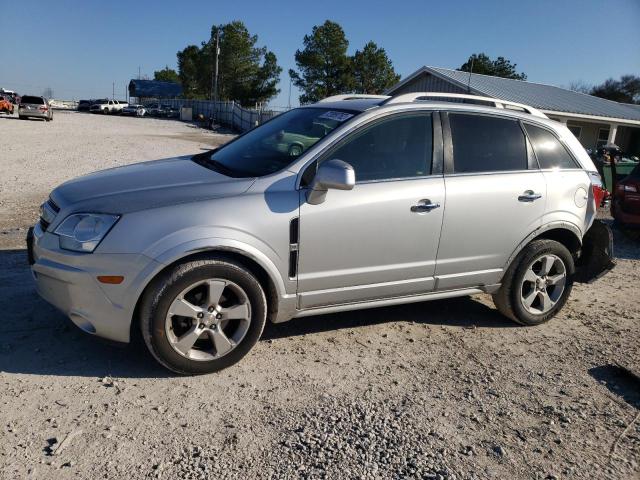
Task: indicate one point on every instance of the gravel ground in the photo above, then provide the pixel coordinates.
(438, 390)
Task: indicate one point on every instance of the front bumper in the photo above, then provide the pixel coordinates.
(596, 257)
(68, 281)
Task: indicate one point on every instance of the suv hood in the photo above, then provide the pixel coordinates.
(146, 185)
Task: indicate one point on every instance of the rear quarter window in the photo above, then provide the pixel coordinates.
(548, 149)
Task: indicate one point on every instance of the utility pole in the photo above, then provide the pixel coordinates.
(215, 69)
(138, 72)
(113, 90)
(470, 72)
(289, 104)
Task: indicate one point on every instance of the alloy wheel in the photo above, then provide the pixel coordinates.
(208, 319)
(543, 284)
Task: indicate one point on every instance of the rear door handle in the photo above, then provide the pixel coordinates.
(529, 196)
(424, 206)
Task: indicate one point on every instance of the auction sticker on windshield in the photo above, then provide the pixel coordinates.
(337, 116)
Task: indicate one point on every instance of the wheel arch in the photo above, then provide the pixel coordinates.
(272, 289)
(564, 233)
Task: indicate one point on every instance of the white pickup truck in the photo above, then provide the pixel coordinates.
(107, 106)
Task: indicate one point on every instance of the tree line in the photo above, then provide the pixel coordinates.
(250, 74)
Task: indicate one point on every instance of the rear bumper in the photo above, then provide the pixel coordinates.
(33, 113)
(596, 258)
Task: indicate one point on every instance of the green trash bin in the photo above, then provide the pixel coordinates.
(623, 168)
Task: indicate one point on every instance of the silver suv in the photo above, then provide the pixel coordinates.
(353, 202)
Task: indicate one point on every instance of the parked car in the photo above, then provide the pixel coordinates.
(35, 107)
(400, 201)
(10, 96)
(625, 207)
(169, 111)
(162, 110)
(136, 109)
(107, 106)
(6, 106)
(154, 109)
(85, 105)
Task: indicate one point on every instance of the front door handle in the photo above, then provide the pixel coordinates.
(424, 206)
(529, 196)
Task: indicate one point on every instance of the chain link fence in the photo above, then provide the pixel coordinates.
(230, 114)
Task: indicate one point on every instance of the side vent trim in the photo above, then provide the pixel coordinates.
(294, 235)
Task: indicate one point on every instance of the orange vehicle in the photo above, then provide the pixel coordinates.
(5, 105)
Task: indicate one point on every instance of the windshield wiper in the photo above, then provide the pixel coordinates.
(205, 159)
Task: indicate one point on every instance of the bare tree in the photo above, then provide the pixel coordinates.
(580, 86)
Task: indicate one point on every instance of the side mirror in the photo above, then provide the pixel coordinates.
(334, 174)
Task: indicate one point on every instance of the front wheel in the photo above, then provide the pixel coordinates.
(537, 284)
(203, 316)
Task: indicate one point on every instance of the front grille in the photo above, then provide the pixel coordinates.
(48, 212)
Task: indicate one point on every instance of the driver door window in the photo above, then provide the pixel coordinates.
(399, 147)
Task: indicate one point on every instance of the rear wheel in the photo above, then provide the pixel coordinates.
(203, 316)
(537, 284)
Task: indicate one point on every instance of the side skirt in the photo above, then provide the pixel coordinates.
(396, 301)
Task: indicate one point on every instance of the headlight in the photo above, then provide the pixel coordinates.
(82, 232)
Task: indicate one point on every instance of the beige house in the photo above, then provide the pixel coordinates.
(594, 121)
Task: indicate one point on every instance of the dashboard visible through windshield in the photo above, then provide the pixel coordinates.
(276, 144)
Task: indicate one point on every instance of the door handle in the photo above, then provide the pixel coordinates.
(529, 196)
(424, 206)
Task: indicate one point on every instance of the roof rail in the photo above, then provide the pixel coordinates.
(352, 96)
(496, 102)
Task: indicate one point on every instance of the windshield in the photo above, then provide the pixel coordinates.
(276, 144)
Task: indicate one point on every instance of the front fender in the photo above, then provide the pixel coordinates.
(185, 249)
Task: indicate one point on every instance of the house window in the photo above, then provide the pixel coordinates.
(603, 137)
(576, 130)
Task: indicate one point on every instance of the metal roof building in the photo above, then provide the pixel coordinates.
(595, 121)
(154, 89)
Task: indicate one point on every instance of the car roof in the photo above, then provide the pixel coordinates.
(359, 105)
(370, 104)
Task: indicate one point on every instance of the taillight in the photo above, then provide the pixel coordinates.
(599, 192)
(44, 108)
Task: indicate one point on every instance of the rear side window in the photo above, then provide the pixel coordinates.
(398, 147)
(548, 149)
(486, 144)
(33, 100)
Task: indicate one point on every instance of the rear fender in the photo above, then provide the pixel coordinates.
(596, 257)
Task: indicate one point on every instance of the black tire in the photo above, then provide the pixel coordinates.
(22, 117)
(163, 290)
(508, 300)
